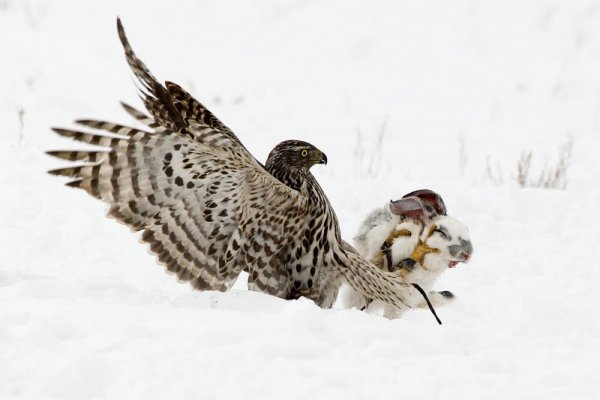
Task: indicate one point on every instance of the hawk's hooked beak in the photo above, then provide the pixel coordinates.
(316, 157)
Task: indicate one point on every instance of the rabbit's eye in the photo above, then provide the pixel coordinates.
(443, 233)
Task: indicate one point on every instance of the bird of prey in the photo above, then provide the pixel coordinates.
(208, 209)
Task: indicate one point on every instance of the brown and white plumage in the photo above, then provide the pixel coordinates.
(209, 209)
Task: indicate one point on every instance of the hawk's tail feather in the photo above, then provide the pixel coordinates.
(374, 283)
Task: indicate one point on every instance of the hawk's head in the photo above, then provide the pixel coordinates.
(295, 154)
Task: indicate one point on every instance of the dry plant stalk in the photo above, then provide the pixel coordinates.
(550, 177)
(369, 168)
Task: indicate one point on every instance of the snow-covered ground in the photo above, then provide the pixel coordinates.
(447, 88)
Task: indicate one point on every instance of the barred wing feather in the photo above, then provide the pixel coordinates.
(205, 210)
(205, 205)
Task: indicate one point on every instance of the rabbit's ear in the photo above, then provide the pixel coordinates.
(430, 197)
(411, 207)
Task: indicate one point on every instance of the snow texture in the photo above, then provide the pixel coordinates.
(400, 96)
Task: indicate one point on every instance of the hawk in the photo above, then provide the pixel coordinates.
(208, 209)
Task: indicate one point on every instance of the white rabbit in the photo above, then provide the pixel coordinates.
(414, 238)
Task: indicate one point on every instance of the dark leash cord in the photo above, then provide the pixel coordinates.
(439, 321)
(387, 251)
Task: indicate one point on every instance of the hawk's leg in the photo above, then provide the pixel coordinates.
(271, 279)
(320, 286)
(367, 303)
(326, 288)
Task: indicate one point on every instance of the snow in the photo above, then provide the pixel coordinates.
(85, 312)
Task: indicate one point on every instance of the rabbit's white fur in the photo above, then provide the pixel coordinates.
(438, 244)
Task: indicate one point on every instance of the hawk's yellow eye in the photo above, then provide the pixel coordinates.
(304, 153)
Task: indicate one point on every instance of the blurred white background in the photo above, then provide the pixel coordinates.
(399, 95)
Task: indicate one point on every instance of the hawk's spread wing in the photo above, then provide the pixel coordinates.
(171, 106)
(205, 205)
